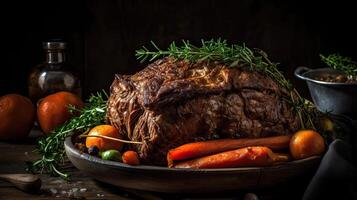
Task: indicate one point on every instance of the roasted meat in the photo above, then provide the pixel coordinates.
(172, 102)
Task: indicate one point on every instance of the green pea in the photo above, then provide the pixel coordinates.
(112, 154)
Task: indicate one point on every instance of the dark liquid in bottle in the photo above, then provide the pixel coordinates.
(53, 75)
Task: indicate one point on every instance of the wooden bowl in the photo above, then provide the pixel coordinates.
(169, 180)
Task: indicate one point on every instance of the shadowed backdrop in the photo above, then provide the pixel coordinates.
(102, 36)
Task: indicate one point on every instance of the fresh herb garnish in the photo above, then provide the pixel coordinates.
(235, 56)
(344, 64)
(51, 147)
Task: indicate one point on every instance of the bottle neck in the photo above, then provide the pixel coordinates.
(55, 57)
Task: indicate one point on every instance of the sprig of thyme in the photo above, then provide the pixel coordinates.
(51, 147)
(235, 56)
(344, 64)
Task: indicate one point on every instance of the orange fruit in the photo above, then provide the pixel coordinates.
(130, 158)
(52, 110)
(306, 143)
(17, 116)
(102, 143)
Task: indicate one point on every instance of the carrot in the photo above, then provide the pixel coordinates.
(130, 158)
(245, 157)
(199, 149)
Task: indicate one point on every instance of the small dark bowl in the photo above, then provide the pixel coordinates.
(169, 180)
(336, 98)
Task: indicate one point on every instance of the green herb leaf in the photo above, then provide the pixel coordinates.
(51, 147)
(344, 64)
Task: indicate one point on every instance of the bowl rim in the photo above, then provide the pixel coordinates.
(69, 147)
(307, 78)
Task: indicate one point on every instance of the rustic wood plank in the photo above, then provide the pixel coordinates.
(12, 160)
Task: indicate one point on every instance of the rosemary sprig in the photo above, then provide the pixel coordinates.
(51, 147)
(344, 64)
(210, 50)
(235, 56)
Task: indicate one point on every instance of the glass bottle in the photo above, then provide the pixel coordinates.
(54, 74)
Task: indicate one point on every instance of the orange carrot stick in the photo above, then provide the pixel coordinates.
(199, 149)
(244, 157)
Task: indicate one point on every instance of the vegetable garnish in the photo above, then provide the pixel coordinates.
(204, 148)
(255, 156)
(51, 147)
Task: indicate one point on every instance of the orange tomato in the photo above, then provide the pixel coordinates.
(53, 110)
(130, 158)
(102, 143)
(306, 143)
(17, 116)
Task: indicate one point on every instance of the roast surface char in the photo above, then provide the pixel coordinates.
(173, 102)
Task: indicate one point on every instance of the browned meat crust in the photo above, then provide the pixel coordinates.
(171, 102)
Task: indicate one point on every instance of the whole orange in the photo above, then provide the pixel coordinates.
(306, 143)
(53, 111)
(102, 143)
(17, 116)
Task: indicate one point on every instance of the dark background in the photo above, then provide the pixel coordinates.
(102, 35)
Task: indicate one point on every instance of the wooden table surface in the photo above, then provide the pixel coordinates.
(13, 157)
